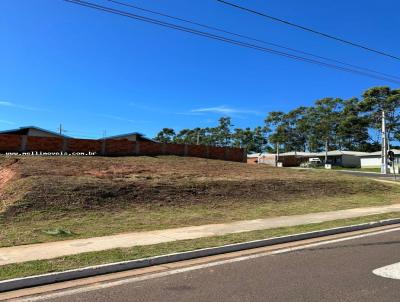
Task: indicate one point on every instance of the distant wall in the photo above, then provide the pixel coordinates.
(291, 160)
(371, 162)
(268, 159)
(252, 160)
(351, 161)
(109, 147)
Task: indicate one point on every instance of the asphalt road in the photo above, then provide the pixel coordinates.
(339, 271)
(370, 174)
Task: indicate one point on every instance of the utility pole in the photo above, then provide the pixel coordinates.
(326, 151)
(277, 154)
(61, 130)
(384, 146)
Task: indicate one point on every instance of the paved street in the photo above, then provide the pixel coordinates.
(389, 176)
(336, 271)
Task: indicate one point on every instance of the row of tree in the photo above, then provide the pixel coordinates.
(331, 123)
(222, 135)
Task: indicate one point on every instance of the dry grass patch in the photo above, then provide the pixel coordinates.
(99, 196)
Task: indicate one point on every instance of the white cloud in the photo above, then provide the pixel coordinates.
(18, 106)
(120, 118)
(7, 104)
(6, 122)
(224, 110)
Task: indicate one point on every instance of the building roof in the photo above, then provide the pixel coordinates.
(140, 135)
(253, 155)
(340, 152)
(266, 154)
(298, 153)
(25, 131)
(378, 153)
(318, 154)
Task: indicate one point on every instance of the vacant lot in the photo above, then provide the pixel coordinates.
(54, 198)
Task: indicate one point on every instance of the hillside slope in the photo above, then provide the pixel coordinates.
(134, 193)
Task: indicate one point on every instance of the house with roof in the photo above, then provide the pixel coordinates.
(348, 159)
(133, 137)
(33, 131)
(374, 160)
(252, 158)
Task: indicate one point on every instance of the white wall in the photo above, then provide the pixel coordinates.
(268, 159)
(369, 162)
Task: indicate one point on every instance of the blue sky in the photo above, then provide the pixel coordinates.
(92, 71)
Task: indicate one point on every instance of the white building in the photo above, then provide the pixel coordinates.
(373, 160)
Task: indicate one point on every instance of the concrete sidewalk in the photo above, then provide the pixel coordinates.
(56, 249)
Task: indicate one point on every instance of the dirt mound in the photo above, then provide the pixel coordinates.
(6, 175)
(98, 183)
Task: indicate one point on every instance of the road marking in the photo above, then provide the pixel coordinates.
(390, 271)
(191, 268)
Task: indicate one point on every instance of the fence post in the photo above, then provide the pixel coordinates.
(103, 147)
(64, 145)
(137, 148)
(163, 148)
(185, 150)
(24, 139)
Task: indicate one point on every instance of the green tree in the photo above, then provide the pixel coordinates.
(260, 139)
(184, 137)
(253, 140)
(276, 120)
(377, 99)
(297, 129)
(352, 132)
(323, 119)
(166, 135)
(223, 132)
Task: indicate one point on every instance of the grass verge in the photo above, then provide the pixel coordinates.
(376, 170)
(114, 255)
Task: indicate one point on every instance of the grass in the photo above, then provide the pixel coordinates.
(372, 169)
(96, 258)
(377, 170)
(50, 199)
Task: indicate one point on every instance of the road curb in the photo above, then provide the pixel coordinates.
(19, 283)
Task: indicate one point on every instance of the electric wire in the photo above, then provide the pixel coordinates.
(310, 30)
(223, 39)
(251, 38)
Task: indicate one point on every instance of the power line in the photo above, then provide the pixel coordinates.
(223, 39)
(250, 38)
(310, 30)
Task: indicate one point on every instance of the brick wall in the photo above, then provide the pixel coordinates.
(174, 149)
(236, 154)
(22, 143)
(10, 143)
(119, 147)
(48, 144)
(216, 153)
(83, 145)
(198, 151)
(150, 148)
